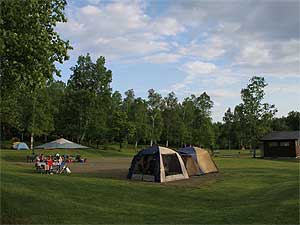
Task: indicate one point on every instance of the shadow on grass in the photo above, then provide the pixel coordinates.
(14, 158)
(292, 160)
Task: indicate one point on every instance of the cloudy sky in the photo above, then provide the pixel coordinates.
(191, 47)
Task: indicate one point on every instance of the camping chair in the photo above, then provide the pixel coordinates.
(65, 169)
(54, 168)
(40, 167)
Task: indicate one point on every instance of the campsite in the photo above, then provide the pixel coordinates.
(149, 112)
(246, 190)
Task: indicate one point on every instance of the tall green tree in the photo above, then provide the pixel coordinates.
(154, 111)
(122, 128)
(228, 126)
(56, 91)
(88, 95)
(128, 102)
(197, 121)
(140, 120)
(257, 115)
(202, 128)
(239, 127)
(293, 120)
(136, 110)
(188, 112)
(30, 46)
(172, 123)
(279, 124)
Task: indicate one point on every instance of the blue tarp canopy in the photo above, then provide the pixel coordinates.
(61, 144)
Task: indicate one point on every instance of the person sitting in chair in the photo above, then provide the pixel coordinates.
(49, 163)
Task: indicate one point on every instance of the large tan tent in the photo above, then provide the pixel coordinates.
(197, 161)
(157, 164)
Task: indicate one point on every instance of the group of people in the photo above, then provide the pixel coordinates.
(51, 164)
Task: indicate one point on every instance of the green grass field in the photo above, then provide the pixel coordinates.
(246, 191)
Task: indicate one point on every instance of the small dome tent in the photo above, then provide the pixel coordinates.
(197, 161)
(157, 164)
(61, 144)
(22, 146)
(14, 145)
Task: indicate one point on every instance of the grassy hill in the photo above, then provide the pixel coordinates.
(246, 191)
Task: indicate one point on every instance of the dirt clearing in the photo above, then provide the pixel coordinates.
(117, 168)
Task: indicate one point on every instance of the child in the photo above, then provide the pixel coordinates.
(49, 163)
(59, 163)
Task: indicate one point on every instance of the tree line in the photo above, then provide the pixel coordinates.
(87, 110)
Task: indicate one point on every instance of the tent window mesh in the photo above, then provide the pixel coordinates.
(171, 164)
(145, 165)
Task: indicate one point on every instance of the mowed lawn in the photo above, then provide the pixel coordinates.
(246, 191)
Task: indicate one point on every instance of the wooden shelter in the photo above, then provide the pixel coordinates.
(281, 144)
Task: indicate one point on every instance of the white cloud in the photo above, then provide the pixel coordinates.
(283, 89)
(255, 53)
(211, 48)
(260, 38)
(90, 10)
(162, 58)
(221, 93)
(272, 58)
(94, 2)
(193, 71)
(126, 46)
(199, 68)
(129, 16)
(119, 30)
(222, 78)
(167, 26)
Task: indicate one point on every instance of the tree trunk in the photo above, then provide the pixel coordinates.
(84, 131)
(82, 137)
(31, 141)
(152, 133)
(136, 144)
(33, 121)
(167, 143)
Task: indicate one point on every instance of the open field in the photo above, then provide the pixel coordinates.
(246, 191)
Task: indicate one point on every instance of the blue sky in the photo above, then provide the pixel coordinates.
(189, 47)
